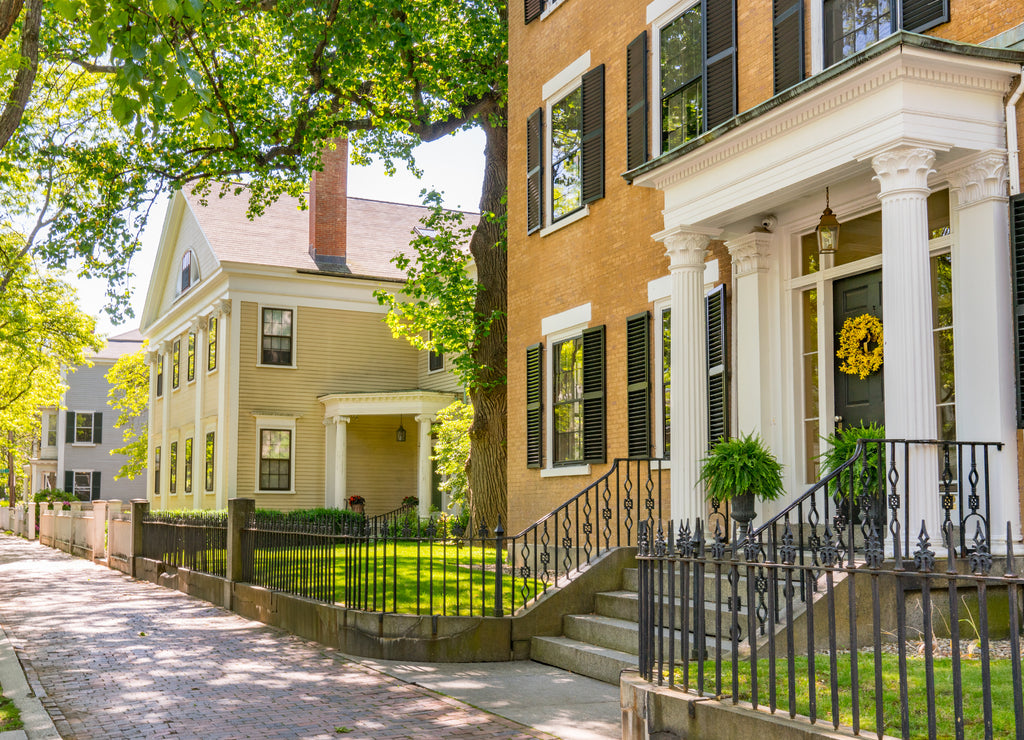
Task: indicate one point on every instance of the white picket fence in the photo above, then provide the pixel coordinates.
(80, 528)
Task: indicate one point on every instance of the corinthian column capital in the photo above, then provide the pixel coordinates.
(984, 178)
(686, 246)
(750, 253)
(903, 168)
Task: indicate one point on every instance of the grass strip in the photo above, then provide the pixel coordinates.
(917, 699)
(10, 717)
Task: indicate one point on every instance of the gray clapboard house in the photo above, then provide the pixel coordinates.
(74, 448)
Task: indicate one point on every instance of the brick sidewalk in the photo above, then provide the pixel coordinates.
(115, 658)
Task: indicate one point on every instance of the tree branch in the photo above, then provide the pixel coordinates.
(9, 12)
(14, 109)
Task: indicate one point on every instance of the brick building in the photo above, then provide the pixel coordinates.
(669, 167)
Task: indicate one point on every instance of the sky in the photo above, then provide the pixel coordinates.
(453, 165)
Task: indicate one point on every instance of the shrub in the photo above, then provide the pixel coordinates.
(49, 495)
(340, 520)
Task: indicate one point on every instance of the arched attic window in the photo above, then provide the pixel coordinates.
(189, 274)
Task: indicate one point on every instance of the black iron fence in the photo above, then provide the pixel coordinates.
(901, 647)
(292, 556)
(195, 540)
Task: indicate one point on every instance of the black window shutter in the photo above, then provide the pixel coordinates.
(534, 406)
(533, 9)
(95, 486)
(534, 171)
(69, 427)
(97, 428)
(920, 15)
(719, 61)
(718, 388)
(1017, 247)
(69, 481)
(593, 395)
(592, 140)
(636, 102)
(788, 42)
(638, 384)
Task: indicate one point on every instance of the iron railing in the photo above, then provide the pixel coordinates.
(197, 541)
(856, 636)
(294, 557)
(871, 488)
(391, 521)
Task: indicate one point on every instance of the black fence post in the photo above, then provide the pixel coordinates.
(499, 549)
(240, 511)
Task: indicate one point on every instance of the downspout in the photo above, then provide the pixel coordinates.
(1012, 145)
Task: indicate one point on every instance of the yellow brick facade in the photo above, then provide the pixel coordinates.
(608, 257)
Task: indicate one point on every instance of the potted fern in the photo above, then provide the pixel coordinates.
(742, 470)
(863, 476)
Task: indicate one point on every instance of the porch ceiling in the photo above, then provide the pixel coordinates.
(926, 95)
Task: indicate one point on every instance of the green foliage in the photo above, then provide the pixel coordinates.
(340, 520)
(49, 495)
(840, 446)
(741, 465)
(452, 452)
(129, 396)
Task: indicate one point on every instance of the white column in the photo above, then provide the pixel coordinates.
(983, 328)
(423, 468)
(340, 460)
(686, 248)
(752, 324)
(160, 499)
(222, 475)
(152, 359)
(198, 437)
(907, 308)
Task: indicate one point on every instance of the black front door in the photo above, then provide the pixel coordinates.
(857, 401)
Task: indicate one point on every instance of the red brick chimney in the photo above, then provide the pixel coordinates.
(328, 209)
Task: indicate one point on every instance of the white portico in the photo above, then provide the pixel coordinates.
(911, 137)
(416, 407)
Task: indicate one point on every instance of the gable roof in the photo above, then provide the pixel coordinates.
(119, 344)
(377, 231)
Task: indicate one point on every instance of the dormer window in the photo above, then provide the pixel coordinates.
(189, 272)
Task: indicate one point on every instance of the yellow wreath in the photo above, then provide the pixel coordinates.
(860, 345)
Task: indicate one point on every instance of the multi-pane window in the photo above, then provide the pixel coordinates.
(209, 461)
(275, 459)
(211, 344)
(276, 336)
(51, 430)
(567, 400)
(435, 360)
(191, 356)
(84, 428)
(159, 375)
(173, 477)
(666, 381)
(83, 486)
(942, 331)
(851, 25)
(566, 167)
(176, 364)
(186, 271)
(156, 471)
(809, 357)
(682, 85)
(188, 465)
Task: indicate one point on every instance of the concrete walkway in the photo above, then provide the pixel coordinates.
(110, 657)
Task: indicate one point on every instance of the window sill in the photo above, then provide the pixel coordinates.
(284, 367)
(83, 444)
(570, 219)
(272, 493)
(551, 9)
(565, 471)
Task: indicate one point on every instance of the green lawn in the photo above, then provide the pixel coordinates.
(10, 717)
(1001, 683)
(450, 578)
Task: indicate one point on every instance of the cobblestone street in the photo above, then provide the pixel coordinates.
(114, 658)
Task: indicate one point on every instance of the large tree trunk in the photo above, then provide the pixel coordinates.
(487, 473)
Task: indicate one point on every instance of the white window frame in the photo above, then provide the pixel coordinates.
(563, 83)
(818, 33)
(659, 14)
(259, 334)
(193, 272)
(50, 425)
(557, 328)
(216, 347)
(92, 429)
(284, 422)
(74, 484)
